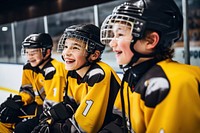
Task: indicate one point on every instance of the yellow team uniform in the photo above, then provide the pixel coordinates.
(95, 94)
(47, 84)
(41, 85)
(166, 99)
(6, 128)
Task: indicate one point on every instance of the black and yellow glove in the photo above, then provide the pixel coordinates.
(11, 109)
(53, 117)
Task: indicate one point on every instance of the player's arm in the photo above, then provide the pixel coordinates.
(93, 110)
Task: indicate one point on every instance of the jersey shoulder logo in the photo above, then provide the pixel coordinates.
(94, 72)
(49, 70)
(95, 76)
(156, 90)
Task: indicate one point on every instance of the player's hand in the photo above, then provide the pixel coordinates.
(42, 128)
(11, 109)
(58, 112)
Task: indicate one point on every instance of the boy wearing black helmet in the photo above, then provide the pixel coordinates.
(92, 85)
(158, 95)
(43, 83)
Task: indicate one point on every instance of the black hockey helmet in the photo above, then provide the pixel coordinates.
(41, 40)
(88, 33)
(162, 16)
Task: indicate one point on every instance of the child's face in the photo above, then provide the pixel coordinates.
(120, 43)
(74, 54)
(34, 56)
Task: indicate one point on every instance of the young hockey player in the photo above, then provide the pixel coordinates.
(158, 95)
(92, 85)
(43, 83)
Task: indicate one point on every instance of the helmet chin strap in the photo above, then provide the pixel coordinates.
(84, 65)
(136, 55)
(87, 63)
(43, 60)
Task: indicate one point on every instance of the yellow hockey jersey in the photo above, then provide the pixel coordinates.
(164, 98)
(46, 84)
(95, 94)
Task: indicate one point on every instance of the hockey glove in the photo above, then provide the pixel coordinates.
(11, 109)
(63, 127)
(66, 126)
(69, 127)
(60, 111)
(42, 128)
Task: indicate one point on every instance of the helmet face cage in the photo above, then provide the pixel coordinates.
(25, 54)
(66, 36)
(90, 44)
(135, 25)
(23, 51)
(30, 46)
(61, 43)
(163, 17)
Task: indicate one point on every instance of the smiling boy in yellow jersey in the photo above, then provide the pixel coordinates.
(92, 85)
(158, 95)
(43, 82)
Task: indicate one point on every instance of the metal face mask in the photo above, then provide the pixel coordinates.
(68, 35)
(134, 25)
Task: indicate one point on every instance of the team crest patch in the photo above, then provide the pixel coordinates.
(95, 72)
(48, 70)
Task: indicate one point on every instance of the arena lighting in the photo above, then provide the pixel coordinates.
(4, 28)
